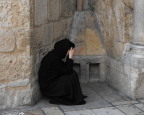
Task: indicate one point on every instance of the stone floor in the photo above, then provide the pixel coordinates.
(102, 100)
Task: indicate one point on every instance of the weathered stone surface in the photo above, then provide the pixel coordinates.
(126, 78)
(41, 12)
(14, 13)
(2, 96)
(23, 44)
(22, 38)
(15, 66)
(107, 111)
(37, 34)
(52, 111)
(53, 9)
(42, 36)
(19, 83)
(84, 34)
(115, 18)
(125, 103)
(67, 7)
(36, 94)
(35, 112)
(61, 28)
(47, 34)
(18, 97)
(94, 46)
(7, 42)
(81, 112)
(130, 110)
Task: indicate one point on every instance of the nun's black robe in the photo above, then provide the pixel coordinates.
(58, 81)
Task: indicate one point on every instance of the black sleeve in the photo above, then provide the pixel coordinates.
(63, 68)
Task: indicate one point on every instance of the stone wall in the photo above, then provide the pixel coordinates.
(115, 18)
(28, 30)
(123, 71)
(50, 22)
(15, 57)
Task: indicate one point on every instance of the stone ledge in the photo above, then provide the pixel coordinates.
(84, 66)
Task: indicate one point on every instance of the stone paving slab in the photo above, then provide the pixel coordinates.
(89, 105)
(107, 111)
(140, 106)
(93, 97)
(130, 110)
(124, 102)
(102, 100)
(81, 112)
(87, 90)
(34, 112)
(52, 111)
(10, 113)
(141, 101)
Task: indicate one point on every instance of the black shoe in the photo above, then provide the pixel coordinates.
(82, 103)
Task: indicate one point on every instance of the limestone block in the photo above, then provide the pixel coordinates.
(18, 66)
(35, 112)
(42, 36)
(67, 7)
(19, 83)
(60, 27)
(37, 35)
(68, 23)
(22, 38)
(117, 65)
(115, 21)
(47, 34)
(53, 9)
(14, 13)
(93, 43)
(52, 111)
(18, 97)
(130, 109)
(7, 42)
(41, 12)
(107, 111)
(36, 94)
(121, 82)
(80, 112)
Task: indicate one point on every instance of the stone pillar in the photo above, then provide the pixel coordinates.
(134, 61)
(138, 32)
(79, 5)
(137, 43)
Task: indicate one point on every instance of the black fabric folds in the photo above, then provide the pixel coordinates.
(57, 79)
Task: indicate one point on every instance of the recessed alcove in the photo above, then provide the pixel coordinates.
(94, 72)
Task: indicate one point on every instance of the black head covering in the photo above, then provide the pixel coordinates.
(61, 47)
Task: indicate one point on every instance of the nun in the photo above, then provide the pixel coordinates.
(57, 79)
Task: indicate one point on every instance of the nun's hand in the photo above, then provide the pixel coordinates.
(71, 52)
